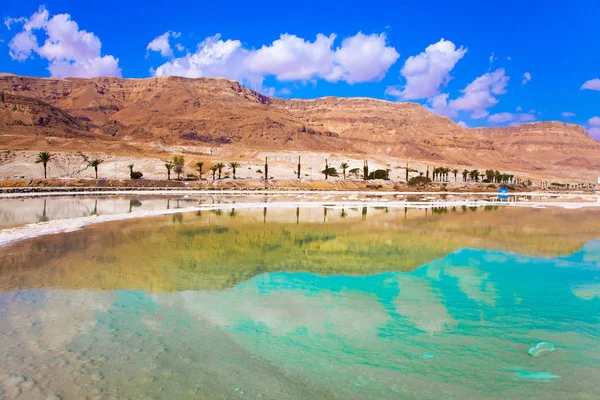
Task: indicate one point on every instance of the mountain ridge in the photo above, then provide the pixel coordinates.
(218, 112)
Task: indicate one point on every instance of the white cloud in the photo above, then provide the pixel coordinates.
(526, 78)
(567, 114)
(500, 118)
(426, 72)
(594, 121)
(479, 95)
(161, 43)
(509, 58)
(179, 47)
(519, 108)
(493, 57)
(71, 52)
(592, 84)
(463, 124)
(360, 58)
(439, 105)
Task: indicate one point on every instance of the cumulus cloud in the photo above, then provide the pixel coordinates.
(161, 43)
(594, 128)
(359, 58)
(503, 117)
(592, 84)
(439, 105)
(567, 114)
(493, 57)
(71, 52)
(479, 95)
(526, 78)
(426, 72)
(463, 124)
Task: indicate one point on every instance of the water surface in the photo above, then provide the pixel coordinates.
(307, 303)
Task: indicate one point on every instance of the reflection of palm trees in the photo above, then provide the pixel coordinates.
(168, 204)
(297, 215)
(134, 203)
(264, 215)
(178, 218)
(324, 214)
(44, 216)
(364, 213)
(218, 212)
(95, 210)
(343, 214)
(232, 214)
(405, 212)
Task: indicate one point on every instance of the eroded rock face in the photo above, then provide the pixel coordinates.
(221, 112)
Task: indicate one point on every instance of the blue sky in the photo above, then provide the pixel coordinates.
(389, 50)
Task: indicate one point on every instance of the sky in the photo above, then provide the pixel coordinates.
(479, 63)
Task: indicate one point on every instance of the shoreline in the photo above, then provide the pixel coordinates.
(165, 191)
(13, 235)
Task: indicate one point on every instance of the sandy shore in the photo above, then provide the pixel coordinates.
(333, 200)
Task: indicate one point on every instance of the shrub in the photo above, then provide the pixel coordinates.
(379, 174)
(136, 175)
(419, 181)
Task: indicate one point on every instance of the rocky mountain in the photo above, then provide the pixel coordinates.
(115, 115)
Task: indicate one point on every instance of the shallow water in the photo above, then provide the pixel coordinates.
(307, 304)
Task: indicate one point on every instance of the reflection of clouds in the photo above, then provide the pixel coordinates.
(474, 283)
(422, 305)
(591, 251)
(50, 319)
(286, 311)
(587, 292)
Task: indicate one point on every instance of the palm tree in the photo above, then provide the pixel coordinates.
(214, 169)
(498, 176)
(465, 174)
(475, 175)
(94, 163)
(298, 167)
(130, 166)
(455, 172)
(344, 166)
(355, 172)
(366, 170)
(326, 170)
(169, 167)
(220, 167)
(266, 170)
(234, 165)
(44, 157)
(199, 165)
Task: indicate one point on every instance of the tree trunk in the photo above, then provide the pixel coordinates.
(298, 167)
(326, 169)
(45, 175)
(366, 171)
(96, 169)
(266, 169)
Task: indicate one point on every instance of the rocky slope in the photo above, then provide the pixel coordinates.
(138, 115)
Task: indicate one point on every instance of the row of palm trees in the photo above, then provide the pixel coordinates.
(177, 165)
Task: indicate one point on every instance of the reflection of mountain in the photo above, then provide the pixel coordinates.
(213, 251)
(460, 325)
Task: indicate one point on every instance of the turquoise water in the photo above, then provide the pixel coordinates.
(458, 327)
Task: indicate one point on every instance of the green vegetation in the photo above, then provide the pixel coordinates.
(379, 174)
(169, 167)
(44, 158)
(199, 165)
(134, 174)
(94, 164)
(234, 165)
(214, 169)
(220, 167)
(419, 181)
(344, 166)
(178, 165)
